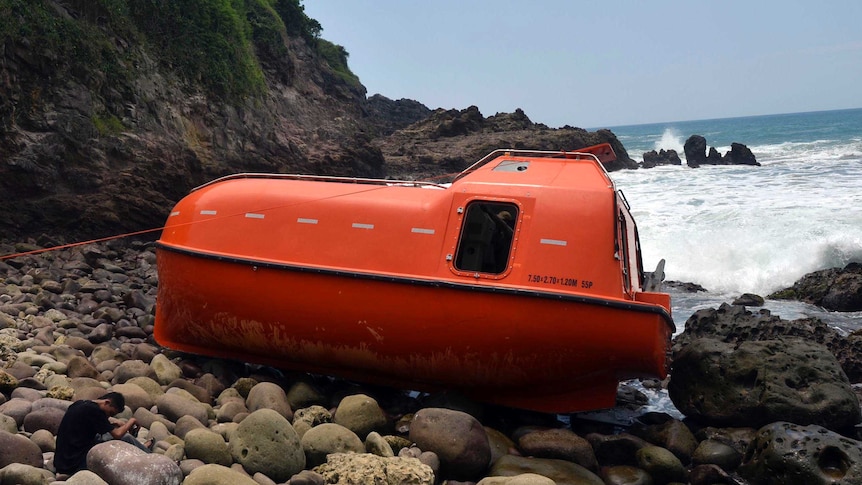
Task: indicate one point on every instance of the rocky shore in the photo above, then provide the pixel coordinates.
(766, 401)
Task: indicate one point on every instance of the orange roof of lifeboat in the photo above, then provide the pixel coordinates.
(520, 284)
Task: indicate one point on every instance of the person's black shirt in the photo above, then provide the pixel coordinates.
(79, 431)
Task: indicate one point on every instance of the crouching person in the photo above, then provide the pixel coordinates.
(88, 423)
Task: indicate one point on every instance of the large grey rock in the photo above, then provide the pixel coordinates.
(361, 414)
(458, 439)
(736, 324)
(755, 383)
(327, 438)
(120, 463)
(368, 468)
(265, 442)
(789, 454)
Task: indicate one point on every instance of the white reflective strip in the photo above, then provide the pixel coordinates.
(422, 230)
(303, 220)
(175, 213)
(553, 242)
(208, 213)
(251, 215)
(358, 225)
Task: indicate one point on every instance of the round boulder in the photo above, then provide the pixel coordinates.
(790, 454)
(213, 474)
(265, 442)
(120, 463)
(756, 383)
(207, 446)
(361, 414)
(562, 444)
(458, 439)
(15, 448)
(266, 395)
(329, 438)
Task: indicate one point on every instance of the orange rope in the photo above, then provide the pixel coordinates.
(71, 245)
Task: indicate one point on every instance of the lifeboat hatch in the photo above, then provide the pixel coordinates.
(486, 243)
(512, 166)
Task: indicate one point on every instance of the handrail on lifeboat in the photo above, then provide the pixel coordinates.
(321, 178)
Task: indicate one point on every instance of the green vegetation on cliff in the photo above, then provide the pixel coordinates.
(219, 46)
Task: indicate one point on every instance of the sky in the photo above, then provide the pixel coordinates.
(595, 64)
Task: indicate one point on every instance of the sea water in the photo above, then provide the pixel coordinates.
(749, 229)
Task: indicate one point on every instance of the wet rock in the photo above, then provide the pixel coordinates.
(755, 383)
(368, 468)
(671, 434)
(265, 442)
(710, 475)
(661, 464)
(616, 449)
(662, 157)
(560, 471)
(748, 299)
(328, 438)
(734, 323)
(360, 414)
(458, 439)
(790, 454)
(836, 289)
(625, 475)
(562, 444)
(302, 395)
(712, 452)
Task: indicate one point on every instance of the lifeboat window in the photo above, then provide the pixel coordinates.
(486, 237)
(624, 240)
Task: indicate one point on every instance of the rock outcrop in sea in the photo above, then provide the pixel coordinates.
(696, 154)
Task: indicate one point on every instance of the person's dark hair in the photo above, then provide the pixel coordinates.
(118, 401)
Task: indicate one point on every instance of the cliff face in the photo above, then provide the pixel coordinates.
(111, 110)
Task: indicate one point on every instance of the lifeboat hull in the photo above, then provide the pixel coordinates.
(516, 347)
(521, 283)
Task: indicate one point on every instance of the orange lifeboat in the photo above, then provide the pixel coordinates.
(519, 284)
